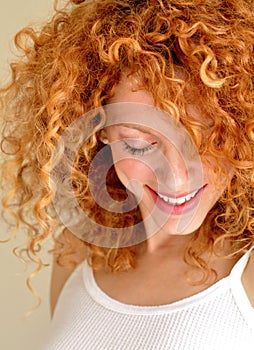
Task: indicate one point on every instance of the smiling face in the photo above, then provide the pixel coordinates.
(174, 192)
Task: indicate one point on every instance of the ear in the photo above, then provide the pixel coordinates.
(102, 136)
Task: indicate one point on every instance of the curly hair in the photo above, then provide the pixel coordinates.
(74, 64)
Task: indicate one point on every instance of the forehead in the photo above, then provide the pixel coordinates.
(130, 89)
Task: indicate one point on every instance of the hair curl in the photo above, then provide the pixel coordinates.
(73, 65)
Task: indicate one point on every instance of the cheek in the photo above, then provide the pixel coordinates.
(131, 169)
(217, 183)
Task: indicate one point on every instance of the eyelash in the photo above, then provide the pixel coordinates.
(137, 151)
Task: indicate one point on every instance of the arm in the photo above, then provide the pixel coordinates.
(58, 278)
(60, 274)
(248, 279)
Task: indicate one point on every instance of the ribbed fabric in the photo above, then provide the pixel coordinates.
(218, 318)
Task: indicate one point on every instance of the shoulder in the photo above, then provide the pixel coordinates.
(248, 278)
(60, 272)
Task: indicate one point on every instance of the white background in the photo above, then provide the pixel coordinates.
(17, 331)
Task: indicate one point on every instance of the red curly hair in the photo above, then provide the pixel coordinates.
(74, 64)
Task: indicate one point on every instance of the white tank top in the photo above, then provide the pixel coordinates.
(218, 318)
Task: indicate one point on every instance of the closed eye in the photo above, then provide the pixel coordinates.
(138, 151)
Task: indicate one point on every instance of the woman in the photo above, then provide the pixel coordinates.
(137, 120)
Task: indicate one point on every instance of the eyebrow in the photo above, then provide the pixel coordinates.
(136, 127)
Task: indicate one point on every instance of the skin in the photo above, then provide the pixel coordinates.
(154, 273)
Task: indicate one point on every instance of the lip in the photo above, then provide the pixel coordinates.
(177, 209)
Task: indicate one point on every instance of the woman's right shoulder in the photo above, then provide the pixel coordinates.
(61, 273)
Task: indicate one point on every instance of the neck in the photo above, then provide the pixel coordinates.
(162, 243)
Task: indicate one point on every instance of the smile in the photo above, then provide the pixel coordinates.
(180, 200)
(177, 204)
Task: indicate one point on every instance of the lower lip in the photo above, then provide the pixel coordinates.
(177, 209)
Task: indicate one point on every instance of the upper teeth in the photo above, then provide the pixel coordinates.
(179, 200)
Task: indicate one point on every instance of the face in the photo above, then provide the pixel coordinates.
(174, 197)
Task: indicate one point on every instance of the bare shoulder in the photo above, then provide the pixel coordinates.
(60, 273)
(248, 279)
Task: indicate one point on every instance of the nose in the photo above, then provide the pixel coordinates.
(176, 167)
(176, 170)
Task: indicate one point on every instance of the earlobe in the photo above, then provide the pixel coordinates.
(102, 136)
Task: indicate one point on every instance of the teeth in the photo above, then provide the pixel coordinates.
(179, 200)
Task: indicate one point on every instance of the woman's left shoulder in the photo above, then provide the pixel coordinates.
(248, 278)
